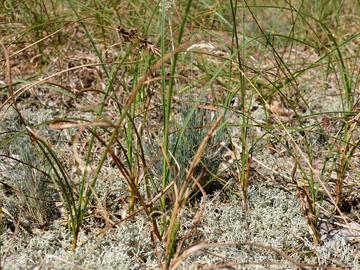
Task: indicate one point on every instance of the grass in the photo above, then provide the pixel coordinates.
(164, 92)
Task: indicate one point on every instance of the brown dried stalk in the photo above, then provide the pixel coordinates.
(307, 207)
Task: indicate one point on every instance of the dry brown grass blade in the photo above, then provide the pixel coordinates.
(197, 220)
(245, 183)
(102, 210)
(9, 82)
(67, 124)
(306, 206)
(79, 162)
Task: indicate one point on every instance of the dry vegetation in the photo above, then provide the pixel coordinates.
(180, 134)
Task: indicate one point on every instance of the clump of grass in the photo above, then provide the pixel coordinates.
(34, 185)
(29, 181)
(185, 147)
(183, 193)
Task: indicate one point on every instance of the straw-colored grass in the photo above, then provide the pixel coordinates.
(113, 113)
